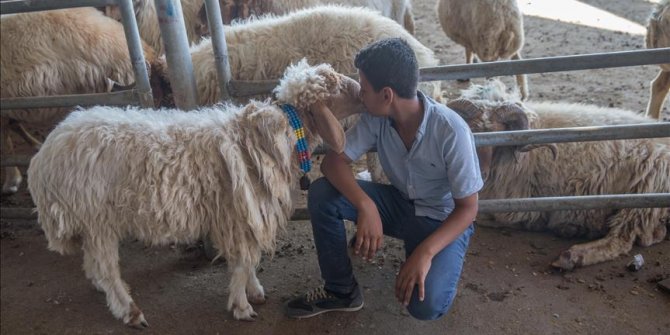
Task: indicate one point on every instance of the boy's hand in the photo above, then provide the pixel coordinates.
(369, 232)
(413, 272)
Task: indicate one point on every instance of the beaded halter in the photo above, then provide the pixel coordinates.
(301, 145)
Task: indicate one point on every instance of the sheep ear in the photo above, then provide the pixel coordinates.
(326, 125)
(331, 78)
(347, 101)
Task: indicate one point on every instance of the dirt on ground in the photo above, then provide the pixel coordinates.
(507, 285)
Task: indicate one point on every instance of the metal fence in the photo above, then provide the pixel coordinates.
(180, 63)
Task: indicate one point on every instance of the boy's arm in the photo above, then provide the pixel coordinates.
(369, 233)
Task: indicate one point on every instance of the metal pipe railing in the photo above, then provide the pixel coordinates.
(562, 135)
(112, 98)
(142, 89)
(15, 160)
(177, 53)
(543, 204)
(577, 134)
(499, 68)
(648, 200)
(547, 64)
(21, 6)
(534, 136)
(220, 48)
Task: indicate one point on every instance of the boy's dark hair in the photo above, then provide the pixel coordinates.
(390, 63)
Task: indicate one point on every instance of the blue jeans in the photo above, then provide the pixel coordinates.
(327, 208)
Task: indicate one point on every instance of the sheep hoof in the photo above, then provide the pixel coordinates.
(136, 318)
(565, 261)
(257, 299)
(245, 314)
(8, 190)
(139, 323)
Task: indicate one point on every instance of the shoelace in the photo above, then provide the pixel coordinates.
(317, 293)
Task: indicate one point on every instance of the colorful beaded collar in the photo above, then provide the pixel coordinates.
(301, 145)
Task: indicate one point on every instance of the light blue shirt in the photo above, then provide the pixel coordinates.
(441, 165)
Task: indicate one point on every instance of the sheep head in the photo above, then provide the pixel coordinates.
(658, 27)
(321, 97)
(488, 108)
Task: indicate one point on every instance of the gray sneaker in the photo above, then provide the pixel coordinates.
(320, 301)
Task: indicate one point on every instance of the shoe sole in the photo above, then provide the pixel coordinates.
(349, 309)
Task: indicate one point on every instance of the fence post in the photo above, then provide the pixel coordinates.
(177, 53)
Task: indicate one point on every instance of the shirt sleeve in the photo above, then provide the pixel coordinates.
(362, 136)
(460, 155)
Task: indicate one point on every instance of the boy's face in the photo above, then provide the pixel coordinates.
(374, 102)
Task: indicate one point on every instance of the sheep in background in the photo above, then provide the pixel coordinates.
(397, 10)
(166, 176)
(658, 36)
(195, 20)
(259, 49)
(569, 169)
(69, 51)
(491, 29)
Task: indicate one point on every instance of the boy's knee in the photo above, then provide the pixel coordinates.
(319, 189)
(430, 309)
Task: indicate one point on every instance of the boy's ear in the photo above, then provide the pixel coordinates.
(388, 94)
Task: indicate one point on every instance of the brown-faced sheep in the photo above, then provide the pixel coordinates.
(166, 176)
(658, 36)
(69, 51)
(490, 29)
(569, 169)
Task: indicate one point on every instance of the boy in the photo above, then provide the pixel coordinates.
(428, 153)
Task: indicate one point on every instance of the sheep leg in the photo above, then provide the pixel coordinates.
(601, 250)
(625, 226)
(468, 60)
(101, 265)
(521, 79)
(25, 135)
(408, 21)
(255, 291)
(12, 174)
(237, 301)
(660, 87)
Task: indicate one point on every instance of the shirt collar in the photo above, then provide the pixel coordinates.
(426, 111)
(427, 104)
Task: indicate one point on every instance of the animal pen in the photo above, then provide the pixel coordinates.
(179, 61)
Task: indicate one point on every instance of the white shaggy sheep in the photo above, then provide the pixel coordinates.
(259, 49)
(68, 51)
(586, 168)
(168, 176)
(491, 29)
(658, 36)
(397, 10)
